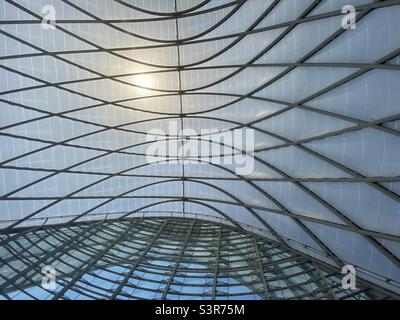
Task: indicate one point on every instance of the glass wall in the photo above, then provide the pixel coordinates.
(161, 258)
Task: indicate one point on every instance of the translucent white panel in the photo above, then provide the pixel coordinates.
(392, 186)
(14, 81)
(394, 60)
(297, 200)
(159, 81)
(374, 37)
(298, 124)
(244, 192)
(111, 139)
(287, 228)
(109, 90)
(63, 10)
(48, 69)
(286, 10)
(10, 114)
(58, 185)
(301, 40)
(334, 5)
(124, 205)
(9, 46)
(193, 53)
(159, 213)
(246, 110)
(14, 179)
(68, 208)
(252, 168)
(239, 214)
(12, 211)
(393, 246)
(195, 189)
(163, 103)
(171, 209)
(11, 147)
(303, 82)
(320, 255)
(393, 124)
(110, 115)
(362, 204)
(204, 170)
(194, 103)
(373, 152)
(161, 169)
(199, 208)
(57, 157)
(116, 186)
(191, 4)
(262, 140)
(85, 218)
(160, 56)
(215, 144)
(192, 149)
(157, 150)
(10, 12)
(371, 96)
(106, 63)
(52, 129)
(234, 142)
(297, 163)
(195, 79)
(113, 10)
(200, 124)
(247, 49)
(113, 163)
(46, 39)
(259, 231)
(245, 81)
(50, 99)
(107, 37)
(194, 25)
(162, 127)
(354, 249)
(166, 189)
(154, 30)
(242, 19)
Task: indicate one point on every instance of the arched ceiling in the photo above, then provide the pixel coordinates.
(77, 101)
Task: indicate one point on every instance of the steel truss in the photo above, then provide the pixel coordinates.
(164, 258)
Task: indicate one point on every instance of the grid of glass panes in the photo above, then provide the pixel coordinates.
(161, 259)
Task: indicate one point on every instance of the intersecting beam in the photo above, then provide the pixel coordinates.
(43, 259)
(92, 262)
(262, 273)
(132, 269)
(178, 260)
(323, 279)
(217, 253)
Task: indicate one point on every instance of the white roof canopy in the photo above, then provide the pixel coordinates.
(79, 99)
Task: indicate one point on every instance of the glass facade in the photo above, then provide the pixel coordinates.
(89, 88)
(163, 258)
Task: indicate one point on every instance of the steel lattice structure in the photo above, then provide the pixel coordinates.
(164, 259)
(323, 101)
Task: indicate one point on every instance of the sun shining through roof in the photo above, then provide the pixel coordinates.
(144, 80)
